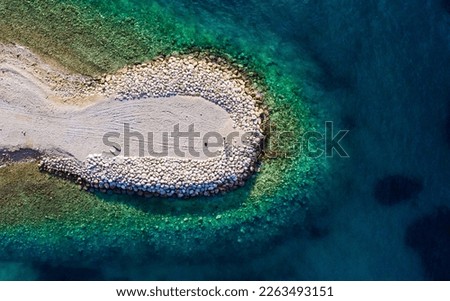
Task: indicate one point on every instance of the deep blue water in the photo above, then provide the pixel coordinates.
(382, 70)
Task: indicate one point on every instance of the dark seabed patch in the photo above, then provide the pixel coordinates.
(49, 272)
(317, 223)
(430, 237)
(395, 189)
(349, 122)
(376, 68)
(446, 5)
(331, 77)
(316, 231)
(447, 127)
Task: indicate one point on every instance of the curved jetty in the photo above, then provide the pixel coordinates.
(199, 90)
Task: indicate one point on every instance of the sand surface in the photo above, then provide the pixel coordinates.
(30, 120)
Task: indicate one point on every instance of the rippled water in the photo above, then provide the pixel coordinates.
(377, 68)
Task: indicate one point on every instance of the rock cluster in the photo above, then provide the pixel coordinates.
(205, 76)
(208, 77)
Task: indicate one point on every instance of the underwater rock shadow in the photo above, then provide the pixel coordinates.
(397, 188)
(446, 5)
(429, 236)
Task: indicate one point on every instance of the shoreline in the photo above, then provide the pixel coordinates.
(196, 75)
(82, 41)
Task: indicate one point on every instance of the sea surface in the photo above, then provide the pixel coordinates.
(379, 69)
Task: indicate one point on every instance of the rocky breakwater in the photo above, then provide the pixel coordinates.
(200, 75)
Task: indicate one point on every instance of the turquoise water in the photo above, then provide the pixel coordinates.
(377, 68)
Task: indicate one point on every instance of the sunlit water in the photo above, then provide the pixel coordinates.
(377, 68)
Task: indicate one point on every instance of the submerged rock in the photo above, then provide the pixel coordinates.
(430, 237)
(395, 189)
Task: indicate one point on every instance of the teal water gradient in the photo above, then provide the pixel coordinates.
(378, 68)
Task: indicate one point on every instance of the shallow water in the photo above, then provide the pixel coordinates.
(377, 68)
